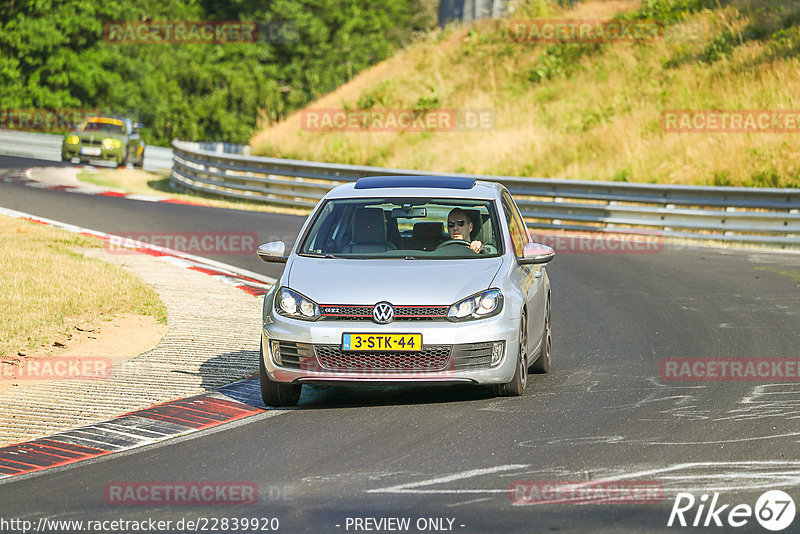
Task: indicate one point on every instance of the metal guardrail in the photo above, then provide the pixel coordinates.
(733, 214)
(48, 147)
(469, 10)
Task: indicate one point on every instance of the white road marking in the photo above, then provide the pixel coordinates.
(410, 487)
(614, 440)
(471, 501)
(144, 198)
(688, 477)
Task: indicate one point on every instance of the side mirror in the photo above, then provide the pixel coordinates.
(272, 252)
(537, 253)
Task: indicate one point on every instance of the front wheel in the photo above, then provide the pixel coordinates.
(275, 393)
(542, 363)
(516, 387)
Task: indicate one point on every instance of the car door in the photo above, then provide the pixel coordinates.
(528, 277)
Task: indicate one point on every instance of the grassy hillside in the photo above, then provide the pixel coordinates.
(582, 111)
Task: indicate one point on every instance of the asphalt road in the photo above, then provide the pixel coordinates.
(15, 162)
(124, 217)
(603, 412)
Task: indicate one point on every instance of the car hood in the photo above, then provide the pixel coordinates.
(400, 282)
(99, 136)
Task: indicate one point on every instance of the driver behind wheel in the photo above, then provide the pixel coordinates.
(459, 226)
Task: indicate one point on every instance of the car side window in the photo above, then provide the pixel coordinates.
(526, 235)
(518, 232)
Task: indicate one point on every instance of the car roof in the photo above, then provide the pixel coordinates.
(417, 186)
(104, 117)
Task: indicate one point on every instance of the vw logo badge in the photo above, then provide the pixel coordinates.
(383, 313)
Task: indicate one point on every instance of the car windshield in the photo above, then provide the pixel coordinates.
(415, 228)
(104, 126)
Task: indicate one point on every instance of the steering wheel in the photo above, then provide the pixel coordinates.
(453, 242)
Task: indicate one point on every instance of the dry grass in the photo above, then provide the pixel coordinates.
(145, 183)
(47, 286)
(598, 118)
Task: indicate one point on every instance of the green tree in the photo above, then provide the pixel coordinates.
(54, 56)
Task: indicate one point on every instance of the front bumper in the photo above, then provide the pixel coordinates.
(454, 352)
(106, 154)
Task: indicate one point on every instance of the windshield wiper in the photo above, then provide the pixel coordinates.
(314, 255)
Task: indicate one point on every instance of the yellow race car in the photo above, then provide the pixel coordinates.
(106, 138)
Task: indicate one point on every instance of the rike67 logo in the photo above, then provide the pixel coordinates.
(774, 511)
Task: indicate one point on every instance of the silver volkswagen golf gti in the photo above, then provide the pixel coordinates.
(407, 279)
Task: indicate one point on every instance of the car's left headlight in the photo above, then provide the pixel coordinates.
(73, 140)
(292, 304)
(478, 306)
(111, 143)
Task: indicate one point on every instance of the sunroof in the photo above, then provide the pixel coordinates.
(447, 182)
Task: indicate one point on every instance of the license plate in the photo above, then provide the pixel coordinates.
(90, 150)
(382, 342)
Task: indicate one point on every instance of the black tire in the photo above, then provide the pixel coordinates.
(140, 163)
(275, 393)
(516, 387)
(124, 162)
(542, 363)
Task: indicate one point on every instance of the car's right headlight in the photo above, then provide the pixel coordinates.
(292, 304)
(73, 140)
(110, 143)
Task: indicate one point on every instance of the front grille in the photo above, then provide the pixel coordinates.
(465, 356)
(430, 358)
(346, 312)
(420, 312)
(401, 313)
